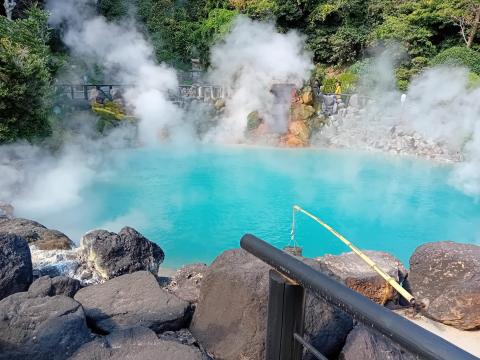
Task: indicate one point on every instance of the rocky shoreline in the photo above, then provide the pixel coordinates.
(105, 299)
(327, 123)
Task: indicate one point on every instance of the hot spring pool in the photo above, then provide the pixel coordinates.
(199, 202)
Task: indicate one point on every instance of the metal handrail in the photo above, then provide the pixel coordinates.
(410, 336)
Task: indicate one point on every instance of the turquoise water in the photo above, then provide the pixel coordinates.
(199, 202)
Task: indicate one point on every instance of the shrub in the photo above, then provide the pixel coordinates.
(24, 78)
(459, 56)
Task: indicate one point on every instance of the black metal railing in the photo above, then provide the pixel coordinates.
(288, 280)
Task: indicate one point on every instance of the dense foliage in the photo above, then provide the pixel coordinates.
(25, 75)
(460, 56)
(339, 32)
(342, 35)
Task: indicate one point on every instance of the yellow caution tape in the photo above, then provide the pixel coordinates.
(404, 293)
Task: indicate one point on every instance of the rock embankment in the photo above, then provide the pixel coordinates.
(129, 313)
(353, 131)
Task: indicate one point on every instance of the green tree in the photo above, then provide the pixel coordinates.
(24, 77)
(459, 56)
(466, 15)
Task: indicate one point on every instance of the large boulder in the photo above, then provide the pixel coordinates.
(187, 281)
(6, 210)
(41, 328)
(358, 276)
(128, 251)
(138, 343)
(131, 300)
(445, 277)
(36, 234)
(15, 265)
(59, 285)
(231, 316)
(365, 344)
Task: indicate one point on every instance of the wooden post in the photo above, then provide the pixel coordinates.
(285, 318)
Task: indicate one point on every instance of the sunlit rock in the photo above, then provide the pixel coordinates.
(230, 319)
(445, 277)
(187, 281)
(359, 276)
(365, 344)
(36, 234)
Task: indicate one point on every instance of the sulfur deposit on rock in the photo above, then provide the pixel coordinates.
(358, 276)
(445, 276)
(110, 254)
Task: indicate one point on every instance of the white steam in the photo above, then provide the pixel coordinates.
(126, 55)
(36, 181)
(248, 62)
(441, 112)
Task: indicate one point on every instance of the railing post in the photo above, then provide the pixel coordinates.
(285, 318)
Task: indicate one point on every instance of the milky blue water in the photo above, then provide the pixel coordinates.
(196, 203)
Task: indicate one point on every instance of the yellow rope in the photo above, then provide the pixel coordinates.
(357, 251)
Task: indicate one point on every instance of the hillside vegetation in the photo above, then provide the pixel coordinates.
(341, 34)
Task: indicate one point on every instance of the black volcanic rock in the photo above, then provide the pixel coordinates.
(137, 343)
(133, 300)
(114, 254)
(58, 285)
(41, 328)
(230, 319)
(15, 265)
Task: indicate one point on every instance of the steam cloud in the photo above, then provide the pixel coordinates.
(440, 106)
(251, 58)
(127, 57)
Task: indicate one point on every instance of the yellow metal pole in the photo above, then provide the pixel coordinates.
(362, 256)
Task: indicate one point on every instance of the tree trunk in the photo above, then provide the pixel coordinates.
(473, 32)
(9, 5)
